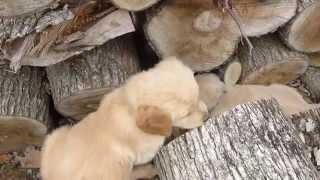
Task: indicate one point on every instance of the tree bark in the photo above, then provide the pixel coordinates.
(311, 82)
(24, 107)
(13, 27)
(270, 62)
(308, 124)
(301, 33)
(252, 141)
(78, 84)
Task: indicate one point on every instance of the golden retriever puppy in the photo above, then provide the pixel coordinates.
(128, 128)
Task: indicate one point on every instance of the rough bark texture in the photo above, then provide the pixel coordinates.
(19, 7)
(308, 124)
(252, 141)
(270, 62)
(301, 33)
(24, 107)
(78, 84)
(13, 27)
(311, 82)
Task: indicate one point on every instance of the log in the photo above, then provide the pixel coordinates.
(13, 27)
(254, 16)
(251, 141)
(308, 124)
(24, 108)
(302, 32)
(315, 59)
(310, 81)
(109, 27)
(270, 62)
(134, 5)
(170, 32)
(20, 7)
(78, 84)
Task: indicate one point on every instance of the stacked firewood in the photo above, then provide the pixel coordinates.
(59, 57)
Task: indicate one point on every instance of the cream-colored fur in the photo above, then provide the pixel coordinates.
(108, 143)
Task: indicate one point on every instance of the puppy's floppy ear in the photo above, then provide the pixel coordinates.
(153, 120)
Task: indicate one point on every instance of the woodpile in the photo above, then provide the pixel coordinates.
(59, 57)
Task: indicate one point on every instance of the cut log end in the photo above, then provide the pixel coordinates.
(79, 105)
(17, 132)
(304, 34)
(134, 5)
(77, 85)
(282, 72)
(171, 31)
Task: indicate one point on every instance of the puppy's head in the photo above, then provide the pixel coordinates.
(170, 88)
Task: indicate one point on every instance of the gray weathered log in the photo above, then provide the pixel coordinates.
(311, 82)
(20, 7)
(270, 62)
(308, 124)
(78, 84)
(252, 141)
(302, 32)
(24, 107)
(13, 27)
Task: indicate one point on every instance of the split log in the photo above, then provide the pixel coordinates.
(13, 27)
(302, 32)
(270, 62)
(170, 31)
(24, 108)
(111, 26)
(134, 5)
(78, 84)
(308, 124)
(252, 141)
(311, 82)
(20, 7)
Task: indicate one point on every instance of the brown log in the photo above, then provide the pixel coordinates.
(170, 31)
(311, 82)
(251, 141)
(270, 62)
(24, 107)
(302, 32)
(79, 83)
(134, 5)
(308, 125)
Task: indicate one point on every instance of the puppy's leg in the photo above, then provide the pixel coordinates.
(146, 171)
(153, 120)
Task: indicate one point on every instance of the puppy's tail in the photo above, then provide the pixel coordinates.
(48, 148)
